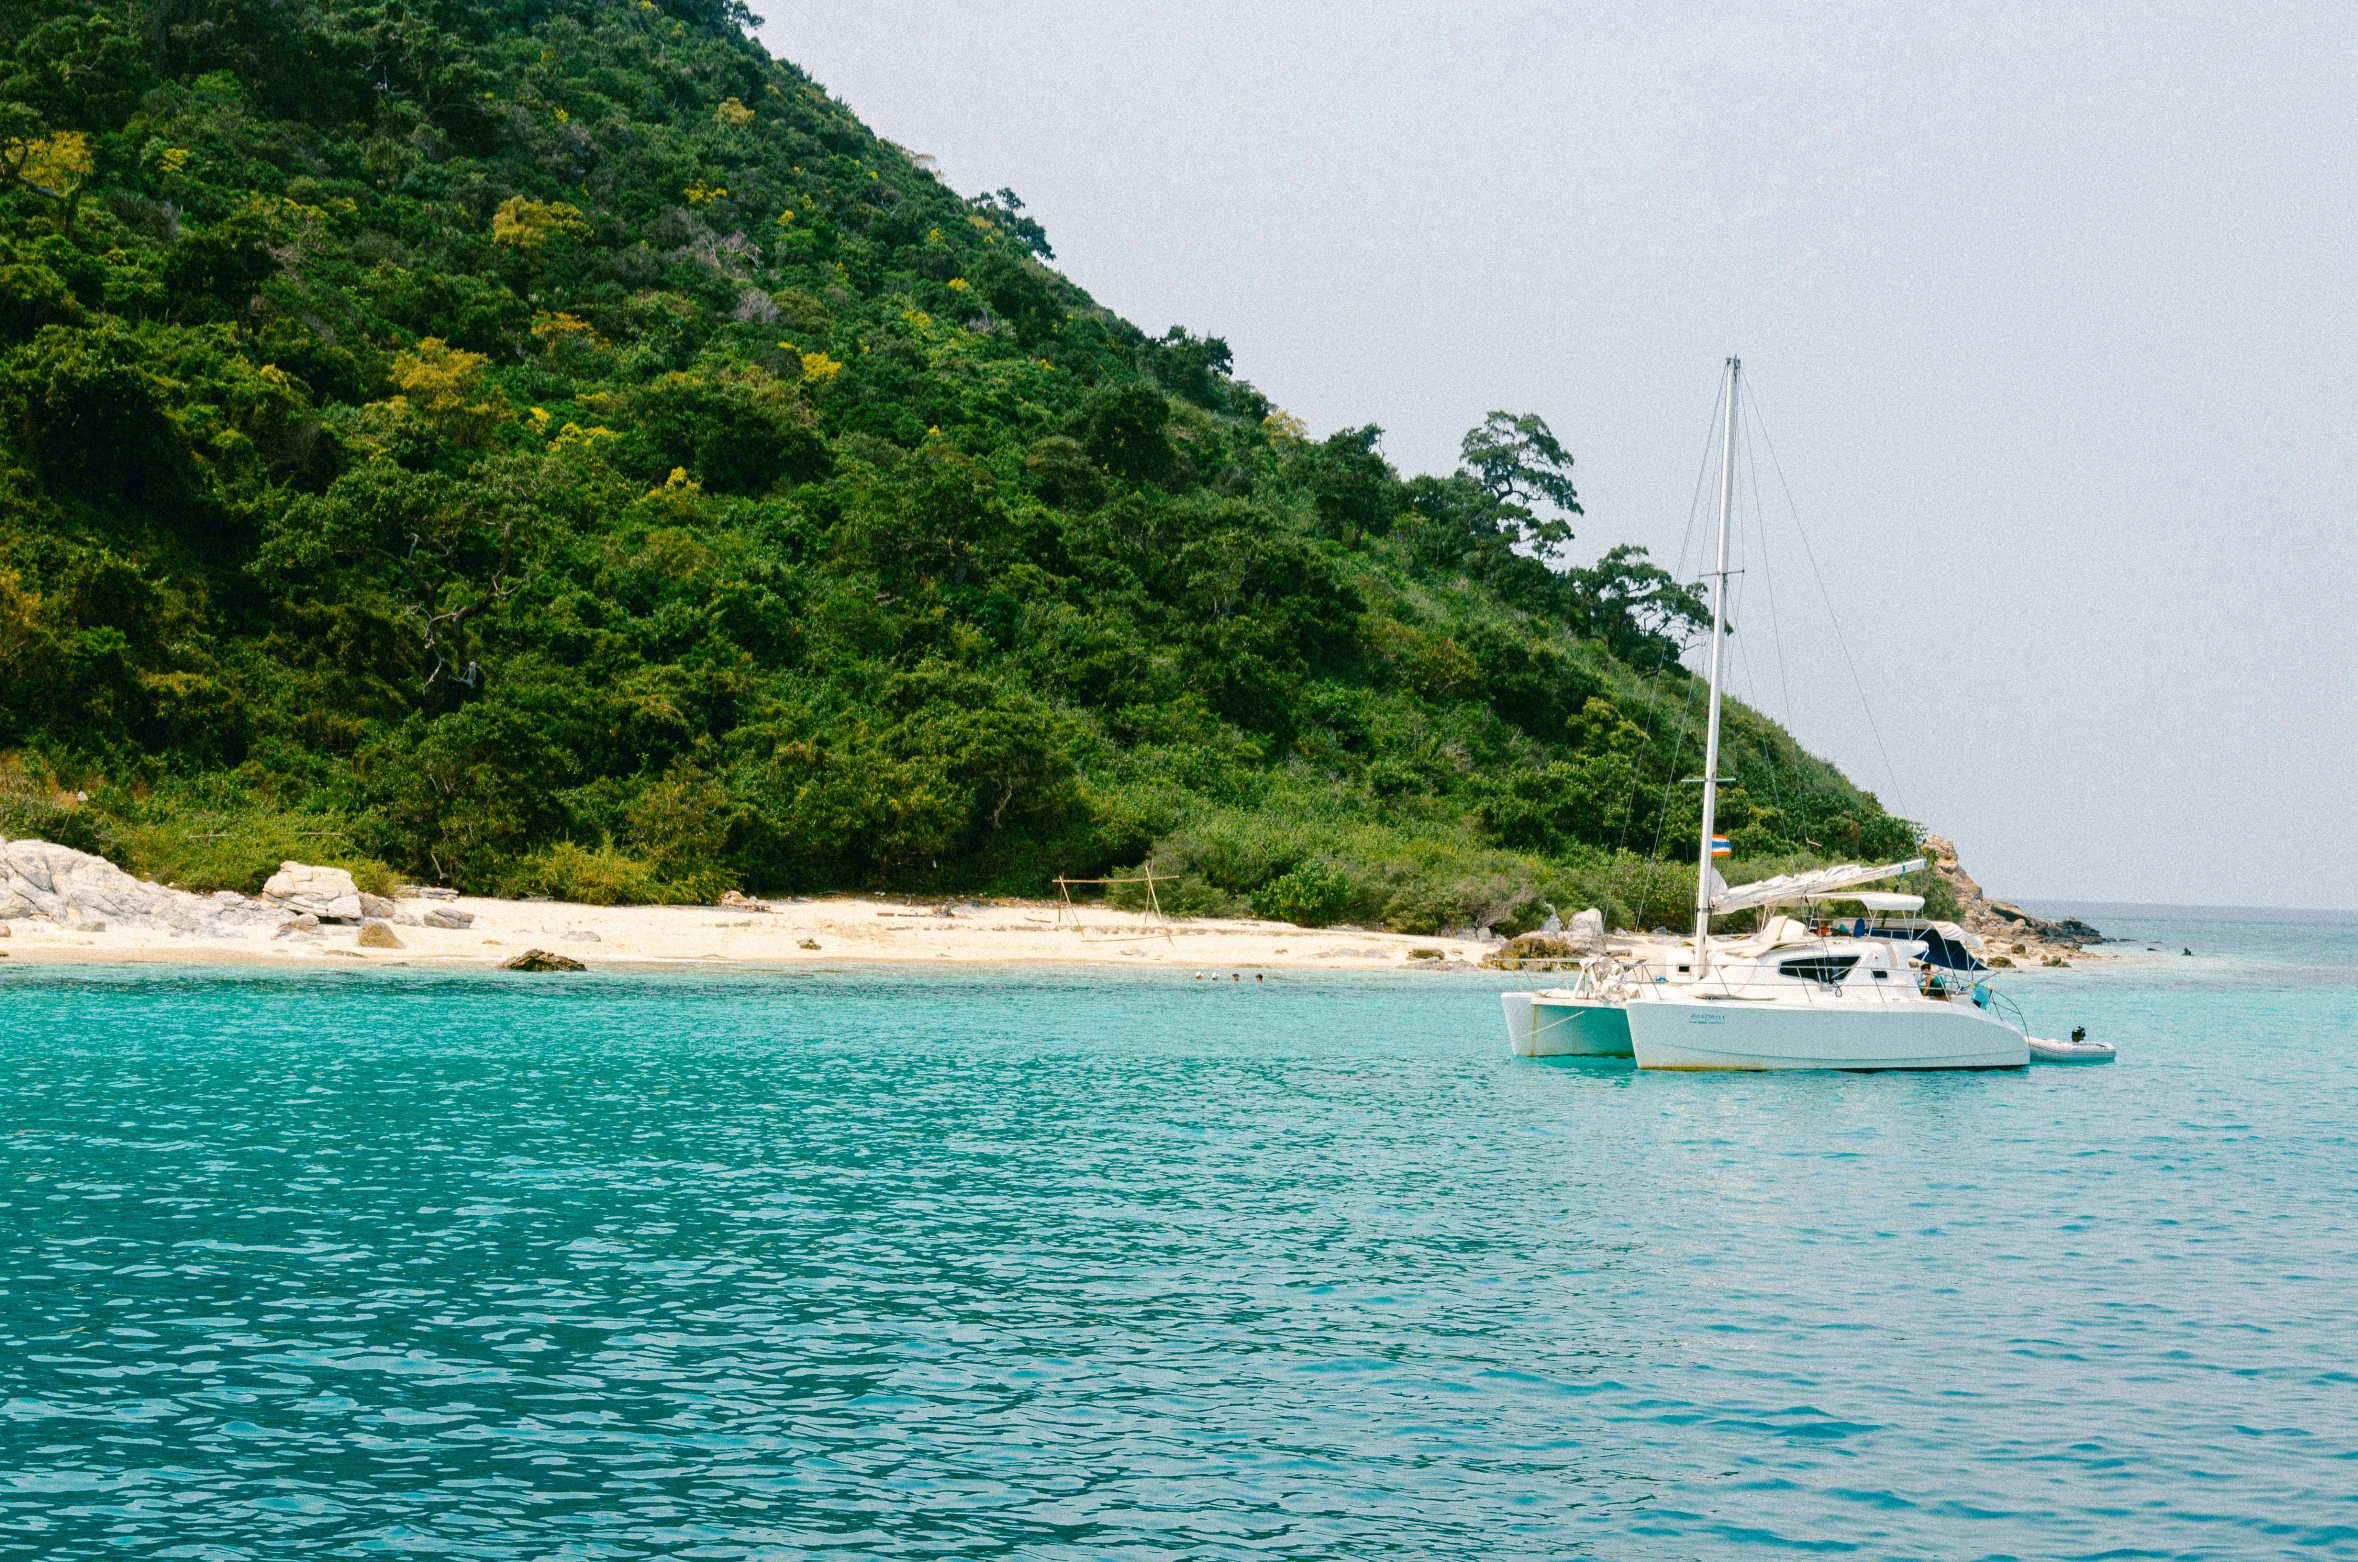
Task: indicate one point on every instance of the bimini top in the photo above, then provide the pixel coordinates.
(1816, 884)
(1878, 900)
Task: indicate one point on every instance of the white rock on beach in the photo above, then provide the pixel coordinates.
(57, 884)
(326, 893)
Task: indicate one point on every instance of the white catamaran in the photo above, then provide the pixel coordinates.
(1799, 993)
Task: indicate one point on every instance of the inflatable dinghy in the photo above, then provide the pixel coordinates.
(2077, 1050)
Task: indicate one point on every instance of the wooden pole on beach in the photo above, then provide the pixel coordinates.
(1153, 916)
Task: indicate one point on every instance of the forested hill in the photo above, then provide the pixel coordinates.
(554, 447)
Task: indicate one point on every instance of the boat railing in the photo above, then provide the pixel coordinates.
(1996, 1004)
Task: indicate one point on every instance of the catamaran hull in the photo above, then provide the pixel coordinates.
(1540, 1027)
(1739, 1035)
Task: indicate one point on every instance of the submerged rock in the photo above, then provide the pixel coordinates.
(542, 960)
(1537, 951)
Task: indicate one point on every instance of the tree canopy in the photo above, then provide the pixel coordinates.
(558, 447)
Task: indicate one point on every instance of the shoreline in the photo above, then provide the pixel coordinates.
(822, 932)
(783, 934)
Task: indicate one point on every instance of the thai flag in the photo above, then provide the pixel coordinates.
(1720, 847)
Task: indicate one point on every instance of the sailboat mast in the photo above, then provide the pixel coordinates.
(1719, 620)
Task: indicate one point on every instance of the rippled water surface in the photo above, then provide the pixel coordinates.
(1065, 1265)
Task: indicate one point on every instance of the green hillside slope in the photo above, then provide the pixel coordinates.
(555, 448)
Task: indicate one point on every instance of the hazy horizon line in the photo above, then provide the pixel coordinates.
(2033, 902)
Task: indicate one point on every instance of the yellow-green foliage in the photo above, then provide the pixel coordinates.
(55, 165)
(446, 386)
(526, 224)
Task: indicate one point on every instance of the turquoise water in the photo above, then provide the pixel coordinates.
(1060, 1265)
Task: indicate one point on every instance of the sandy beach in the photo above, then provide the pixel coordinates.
(822, 931)
(62, 905)
(825, 931)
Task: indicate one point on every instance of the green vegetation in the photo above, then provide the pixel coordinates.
(555, 447)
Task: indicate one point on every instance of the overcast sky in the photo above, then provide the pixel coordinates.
(2051, 312)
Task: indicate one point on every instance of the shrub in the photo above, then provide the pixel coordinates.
(1184, 896)
(206, 851)
(737, 435)
(605, 876)
(26, 815)
(1314, 895)
(1423, 908)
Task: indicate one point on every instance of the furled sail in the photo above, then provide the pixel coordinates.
(1816, 883)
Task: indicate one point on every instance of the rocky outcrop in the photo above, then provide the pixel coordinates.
(1551, 949)
(326, 893)
(73, 889)
(1540, 951)
(2000, 922)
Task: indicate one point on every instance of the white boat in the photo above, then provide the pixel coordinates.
(2079, 1049)
(1806, 1000)
(1792, 995)
(1567, 1022)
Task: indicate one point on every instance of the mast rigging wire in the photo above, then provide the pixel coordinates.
(1840, 639)
(1777, 644)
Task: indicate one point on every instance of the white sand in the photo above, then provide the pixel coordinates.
(842, 930)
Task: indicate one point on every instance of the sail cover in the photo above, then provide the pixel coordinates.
(1817, 882)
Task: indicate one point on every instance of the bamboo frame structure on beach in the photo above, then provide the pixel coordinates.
(1152, 917)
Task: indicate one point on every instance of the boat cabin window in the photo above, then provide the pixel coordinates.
(1825, 970)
